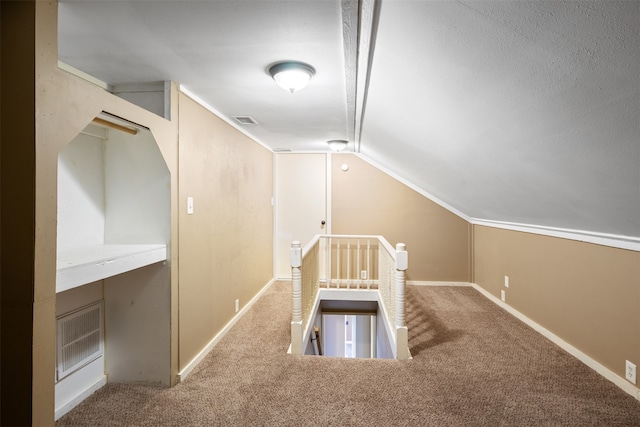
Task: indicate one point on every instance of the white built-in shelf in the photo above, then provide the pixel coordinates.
(79, 266)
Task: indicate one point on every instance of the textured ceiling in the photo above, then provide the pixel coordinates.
(514, 111)
(526, 112)
(221, 52)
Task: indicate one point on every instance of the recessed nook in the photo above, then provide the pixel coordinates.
(113, 284)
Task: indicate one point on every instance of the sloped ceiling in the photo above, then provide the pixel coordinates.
(525, 112)
(512, 111)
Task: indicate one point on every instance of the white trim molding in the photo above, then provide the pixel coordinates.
(67, 406)
(216, 339)
(604, 239)
(593, 364)
(612, 240)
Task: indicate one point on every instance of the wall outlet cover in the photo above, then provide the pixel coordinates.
(503, 295)
(630, 372)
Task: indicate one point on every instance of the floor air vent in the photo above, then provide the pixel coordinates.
(80, 339)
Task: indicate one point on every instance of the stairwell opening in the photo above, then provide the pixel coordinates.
(350, 329)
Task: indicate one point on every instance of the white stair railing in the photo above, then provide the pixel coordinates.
(351, 263)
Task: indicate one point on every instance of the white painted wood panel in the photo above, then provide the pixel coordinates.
(333, 338)
(75, 388)
(137, 190)
(81, 208)
(138, 325)
(82, 265)
(72, 299)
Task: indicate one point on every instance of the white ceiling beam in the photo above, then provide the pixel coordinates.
(369, 12)
(350, 41)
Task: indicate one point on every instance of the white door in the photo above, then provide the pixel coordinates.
(301, 203)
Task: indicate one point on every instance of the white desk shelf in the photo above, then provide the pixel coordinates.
(79, 266)
(112, 187)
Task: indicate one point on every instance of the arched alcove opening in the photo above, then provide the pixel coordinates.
(113, 284)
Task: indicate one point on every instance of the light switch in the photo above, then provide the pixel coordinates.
(189, 205)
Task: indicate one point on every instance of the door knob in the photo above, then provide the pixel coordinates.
(323, 222)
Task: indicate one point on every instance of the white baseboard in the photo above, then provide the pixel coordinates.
(194, 362)
(428, 283)
(596, 366)
(75, 401)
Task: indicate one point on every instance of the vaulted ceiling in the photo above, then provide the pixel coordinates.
(523, 112)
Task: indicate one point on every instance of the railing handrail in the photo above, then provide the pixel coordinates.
(380, 238)
(306, 248)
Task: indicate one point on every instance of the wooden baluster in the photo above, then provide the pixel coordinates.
(368, 263)
(357, 264)
(295, 258)
(338, 265)
(402, 263)
(348, 263)
(328, 262)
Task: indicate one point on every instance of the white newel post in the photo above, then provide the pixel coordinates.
(402, 263)
(295, 257)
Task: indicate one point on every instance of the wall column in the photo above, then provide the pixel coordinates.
(17, 208)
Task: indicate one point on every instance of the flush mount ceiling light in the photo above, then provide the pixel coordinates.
(337, 144)
(291, 75)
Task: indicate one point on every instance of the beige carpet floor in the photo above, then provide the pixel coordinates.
(473, 365)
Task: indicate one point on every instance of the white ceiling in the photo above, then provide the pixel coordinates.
(516, 111)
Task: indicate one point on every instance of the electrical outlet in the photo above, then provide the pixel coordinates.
(503, 295)
(363, 274)
(630, 372)
(237, 305)
(506, 281)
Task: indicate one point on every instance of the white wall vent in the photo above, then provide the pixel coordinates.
(79, 339)
(245, 120)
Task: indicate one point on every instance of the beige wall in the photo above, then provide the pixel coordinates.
(226, 246)
(587, 294)
(365, 200)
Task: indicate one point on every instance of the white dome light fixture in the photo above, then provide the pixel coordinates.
(337, 144)
(291, 75)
